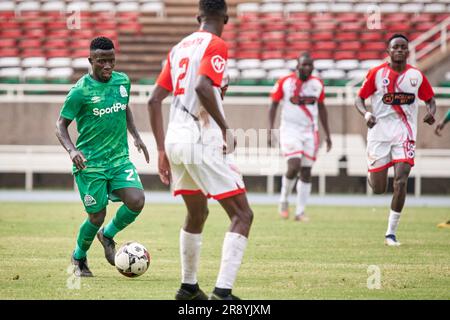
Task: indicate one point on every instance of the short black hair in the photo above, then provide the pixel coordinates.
(101, 43)
(212, 7)
(397, 35)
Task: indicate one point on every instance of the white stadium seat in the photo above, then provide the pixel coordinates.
(414, 7)
(369, 64)
(347, 64)
(103, 7)
(243, 8)
(34, 62)
(58, 73)
(271, 7)
(78, 6)
(231, 63)
(318, 7)
(156, 7)
(7, 6)
(54, 6)
(59, 62)
(333, 74)
(341, 7)
(278, 73)
(233, 73)
(324, 64)
(248, 64)
(253, 74)
(9, 62)
(128, 6)
(389, 7)
(81, 63)
(11, 72)
(35, 73)
(272, 64)
(291, 64)
(28, 6)
(294, 7)
(357, 74)
(435, 7)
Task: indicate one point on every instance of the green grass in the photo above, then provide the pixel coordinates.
(324, 259)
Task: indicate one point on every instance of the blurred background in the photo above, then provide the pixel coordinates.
(44, 47)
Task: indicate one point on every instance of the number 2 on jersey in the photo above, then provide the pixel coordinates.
(184, 63)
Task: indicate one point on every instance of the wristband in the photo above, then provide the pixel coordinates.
(367, 115)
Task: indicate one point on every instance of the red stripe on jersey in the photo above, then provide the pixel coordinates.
(277, 90)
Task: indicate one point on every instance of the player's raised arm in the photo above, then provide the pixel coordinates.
(62, 133)
(156, 121)
(140, 145)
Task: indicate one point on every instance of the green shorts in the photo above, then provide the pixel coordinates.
(96, 186)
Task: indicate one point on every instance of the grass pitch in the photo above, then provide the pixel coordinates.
(328, 258)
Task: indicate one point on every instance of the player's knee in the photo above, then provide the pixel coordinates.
(136, 203)
(305, 175)
(97, 219)
(400, 184)
(246, 217)
(379, 188)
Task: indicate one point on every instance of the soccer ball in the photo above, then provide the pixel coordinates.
(132, 259)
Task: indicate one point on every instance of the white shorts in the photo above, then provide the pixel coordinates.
(197, 168)
(383, 154)
(299, 145)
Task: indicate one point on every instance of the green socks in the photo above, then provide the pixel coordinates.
(123, 218)
(84, 240)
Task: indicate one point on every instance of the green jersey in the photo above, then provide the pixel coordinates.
(99, 109)
(447, 117)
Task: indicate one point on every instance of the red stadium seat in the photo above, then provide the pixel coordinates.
(368, 55)
(299, 45)
(275, 54)
(55, 43)
(250, 45)
(299, 26)
(322, 35)
(57, 53)
(349, 45)
(274, 45)
(30, 43)
(341, 55)
(32, 52)
(9, 24)
(35, 33)
(351, 26)
(9, 52)
(372, 36)
(6, 15)
(322, 54)
(57, 25)
(298, 36)
(369, 45)
(346, 36)
(248, 54)
(249, 35)
(33, 24)
(80, 52)
(59, 33)
(7, 42)
(324, 45)
(11, 33)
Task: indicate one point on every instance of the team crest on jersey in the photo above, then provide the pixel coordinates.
(89, 200)
(123, 91)
(414, 81)
(385, 82)
(218, 63)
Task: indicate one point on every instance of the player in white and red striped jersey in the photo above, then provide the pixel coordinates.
(193, 150)
(395, 88)
(302, 96)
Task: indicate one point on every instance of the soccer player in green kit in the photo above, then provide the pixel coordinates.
(99, 104)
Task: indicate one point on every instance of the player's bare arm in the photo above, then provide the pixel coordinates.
(205, 92)
(156, 121)
(361, 107)
(442, 124)
(272, 116)
(62, 132)
(323, 115)
(140, 145)
(431, 111)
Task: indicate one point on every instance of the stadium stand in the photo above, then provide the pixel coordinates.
(45, 42)
(265, 30)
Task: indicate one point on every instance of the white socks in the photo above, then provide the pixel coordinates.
(286, 188)
(190, 245)
(303, 192)
(233, 249)
(394, 218)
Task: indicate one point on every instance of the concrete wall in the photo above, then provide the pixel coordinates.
(34, 123)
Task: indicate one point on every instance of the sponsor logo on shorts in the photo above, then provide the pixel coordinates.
(123, 92)
(116, 107)
(89, 200)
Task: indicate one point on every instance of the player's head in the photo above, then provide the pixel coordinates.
(305, 66)
(212, 11)
(397, 48)
(102, 58)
